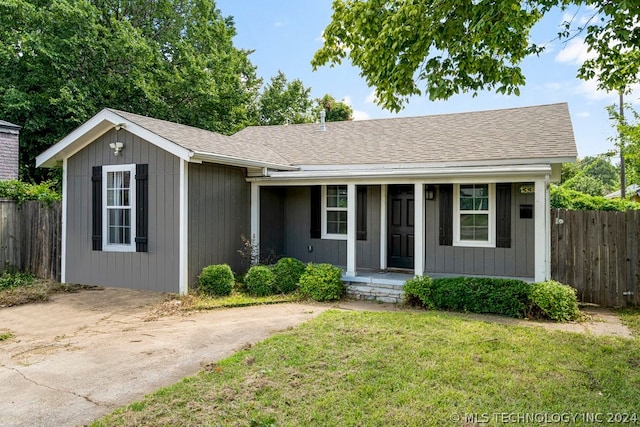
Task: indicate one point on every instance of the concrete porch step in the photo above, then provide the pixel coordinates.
(375, 292)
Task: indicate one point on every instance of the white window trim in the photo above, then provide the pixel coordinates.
(491, 243)
(324, 234)
(132, 197)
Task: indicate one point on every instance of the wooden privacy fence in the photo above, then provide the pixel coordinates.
(30, 237)
(597, 252)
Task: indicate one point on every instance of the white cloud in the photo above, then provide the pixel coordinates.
(360, 115)
(371, 98)
(347, 100)
(575, 52)
(278, 24)
(584, 114)
(552, 86)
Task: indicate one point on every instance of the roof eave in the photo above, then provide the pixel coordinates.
(524, 171)
(240, 162)
(97, 126)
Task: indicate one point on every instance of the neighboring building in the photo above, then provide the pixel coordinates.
(148, 203)
(9, 146)
(632, 192)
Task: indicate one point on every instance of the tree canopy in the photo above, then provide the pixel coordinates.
(336, 111)
(61, 61)
(283, 102)
(468, 45)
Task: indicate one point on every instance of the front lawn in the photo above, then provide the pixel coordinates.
(362, 368)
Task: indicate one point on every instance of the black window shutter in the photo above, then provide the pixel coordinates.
(361, 213)
(142, 207)
(96, 208)
(446, 214)
(315, 229)
(503, 215)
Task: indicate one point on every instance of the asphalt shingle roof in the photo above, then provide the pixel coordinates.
(201, 140)
(536, 132)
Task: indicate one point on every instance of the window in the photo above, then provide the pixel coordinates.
(118, 183)
(334, 211)
(474, 212)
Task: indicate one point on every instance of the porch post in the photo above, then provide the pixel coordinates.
(383, 226)
(351, 230)
(255, 216)
(418, 238)
(542, 231)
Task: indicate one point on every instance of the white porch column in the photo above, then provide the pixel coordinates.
(383, 226)
(351, 230)
(255, 216)
(418, 238)
(542, 231)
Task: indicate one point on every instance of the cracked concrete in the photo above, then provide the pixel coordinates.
(82, 355)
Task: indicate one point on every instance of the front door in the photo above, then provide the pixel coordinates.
(401, 226)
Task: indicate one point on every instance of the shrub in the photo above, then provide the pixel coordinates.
(13, 279)
(564, 198)
(322, 282)
(287, 272)
(216, 280)
(481, 295)
(22, 191)
(417, 291)
(260, 281)
(555, 300)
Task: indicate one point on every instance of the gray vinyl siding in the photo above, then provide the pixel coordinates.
(156, 269)
(289, 208)
(219, 203)
(516, 261)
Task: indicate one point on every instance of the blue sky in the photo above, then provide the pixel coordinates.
(285, 34)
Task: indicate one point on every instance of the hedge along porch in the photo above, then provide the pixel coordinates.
(456, 193)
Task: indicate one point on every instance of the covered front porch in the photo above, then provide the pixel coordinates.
(386, 232)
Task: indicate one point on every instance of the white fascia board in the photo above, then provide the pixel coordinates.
(235, 161)
(97, 126)
(432, 165)
(522, 173)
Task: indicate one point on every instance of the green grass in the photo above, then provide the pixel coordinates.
(630, 316)
(236, 299)
(5, 336)
(363, 368)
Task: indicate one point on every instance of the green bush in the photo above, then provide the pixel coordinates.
(417, 291)
(564, 198)
(322, 282)
(555, 300)
(260, 281)
(23, 191)
(216, 280)
(481, 295)
(13, 279)
(288, 272)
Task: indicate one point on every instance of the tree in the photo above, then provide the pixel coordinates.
(464, 45)
(283, 102)
(593, 175)
(628, 141)
(61, 61)
(336, 111)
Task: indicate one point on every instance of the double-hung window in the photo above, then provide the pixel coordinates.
(118, 183)
(474, 215)
(334, 212)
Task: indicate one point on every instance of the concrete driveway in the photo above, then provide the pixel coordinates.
(80, 356)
